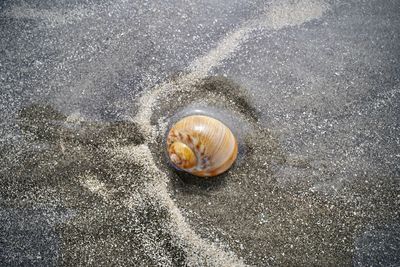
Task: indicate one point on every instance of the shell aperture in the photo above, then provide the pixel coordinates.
(201, 145)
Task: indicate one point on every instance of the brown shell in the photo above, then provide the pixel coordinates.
(202, 146)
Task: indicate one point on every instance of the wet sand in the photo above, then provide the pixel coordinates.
(84, 176)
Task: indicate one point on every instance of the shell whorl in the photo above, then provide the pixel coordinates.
(182, 155)
(201, 145)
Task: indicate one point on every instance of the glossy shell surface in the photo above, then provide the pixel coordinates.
(201, 145)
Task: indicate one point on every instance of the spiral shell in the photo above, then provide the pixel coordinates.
(202, 146)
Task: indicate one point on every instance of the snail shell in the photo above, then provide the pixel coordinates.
(202, 146)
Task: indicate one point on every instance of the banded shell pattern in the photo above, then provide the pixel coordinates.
(202, 146)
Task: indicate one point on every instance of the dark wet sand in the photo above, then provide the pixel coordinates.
(88, 91)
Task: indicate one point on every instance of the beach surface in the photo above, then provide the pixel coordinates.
(88, 90)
